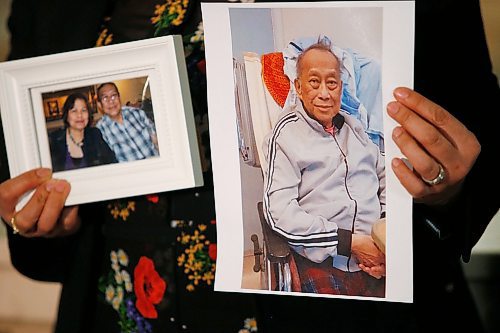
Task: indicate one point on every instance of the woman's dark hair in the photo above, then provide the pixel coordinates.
(70, 103)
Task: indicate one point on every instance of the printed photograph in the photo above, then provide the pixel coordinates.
(308, 91)
(99, 124)
(321, 150)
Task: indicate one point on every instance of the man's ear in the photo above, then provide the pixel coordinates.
(99, 106)
(298, 87)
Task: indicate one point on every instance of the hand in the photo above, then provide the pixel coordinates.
(44, 214)
(366, 251)
(429, 136)
(377, 271)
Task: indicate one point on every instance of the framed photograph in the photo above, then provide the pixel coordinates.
(115, 121)
(52, 110)
(297, 95)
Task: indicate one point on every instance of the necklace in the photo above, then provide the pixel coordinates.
(78, 144)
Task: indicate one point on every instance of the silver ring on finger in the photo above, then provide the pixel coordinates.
(439, 178)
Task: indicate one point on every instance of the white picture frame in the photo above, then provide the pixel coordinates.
(238, 185)
(161, 61)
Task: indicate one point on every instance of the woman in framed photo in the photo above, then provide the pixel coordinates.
(78, 145)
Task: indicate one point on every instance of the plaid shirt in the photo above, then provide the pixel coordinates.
(130, 140)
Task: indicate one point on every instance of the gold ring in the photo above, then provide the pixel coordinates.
(439, 178)
(13, 224)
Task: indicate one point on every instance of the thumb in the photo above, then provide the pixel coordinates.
(15, 187)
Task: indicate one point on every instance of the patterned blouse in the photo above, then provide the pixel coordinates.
(158, 259)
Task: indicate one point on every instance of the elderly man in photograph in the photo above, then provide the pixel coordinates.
(127, 130)
(325, 185)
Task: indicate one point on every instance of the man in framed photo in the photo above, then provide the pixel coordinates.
(127, 130)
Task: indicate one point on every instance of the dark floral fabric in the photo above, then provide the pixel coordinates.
(158, 268)
(159, 256)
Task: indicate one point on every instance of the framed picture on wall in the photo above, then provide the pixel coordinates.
(53, 109)
(68, 106)
(278, 74)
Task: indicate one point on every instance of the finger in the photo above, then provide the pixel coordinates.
(67, 224)
(425, 165)
(450, 127)
(58, 192)
(410, 181)
(375, 271)
(426, 134)
(378, 271)
(70, 221)
(28, 216)
(432, 112)
(364, 268)
(14, 188)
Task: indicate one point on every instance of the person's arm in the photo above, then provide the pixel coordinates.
(37, 29)
(104, 132)
(38, 258)
(453, 69)
(58, 149)
(105, 154)
(53, 259)
(43, 216)
(150, 126)
(429, 136)
(318, 237)
(147, 122)
(371, 259)
(42, 259)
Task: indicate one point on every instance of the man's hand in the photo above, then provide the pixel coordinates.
(430, 137)
(377, 271)
(44, 214)
(370, 258)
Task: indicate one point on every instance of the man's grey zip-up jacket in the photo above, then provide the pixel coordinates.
(320, 188)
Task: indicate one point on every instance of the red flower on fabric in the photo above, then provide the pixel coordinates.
(154, 198)
(212, 251)
(149, 287)
(202, 66)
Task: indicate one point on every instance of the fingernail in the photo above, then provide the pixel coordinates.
(396, 162)
(60, 186)
(401, 92)
(50, 185)
(392, 108)
(396, 133)
(43, 172)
